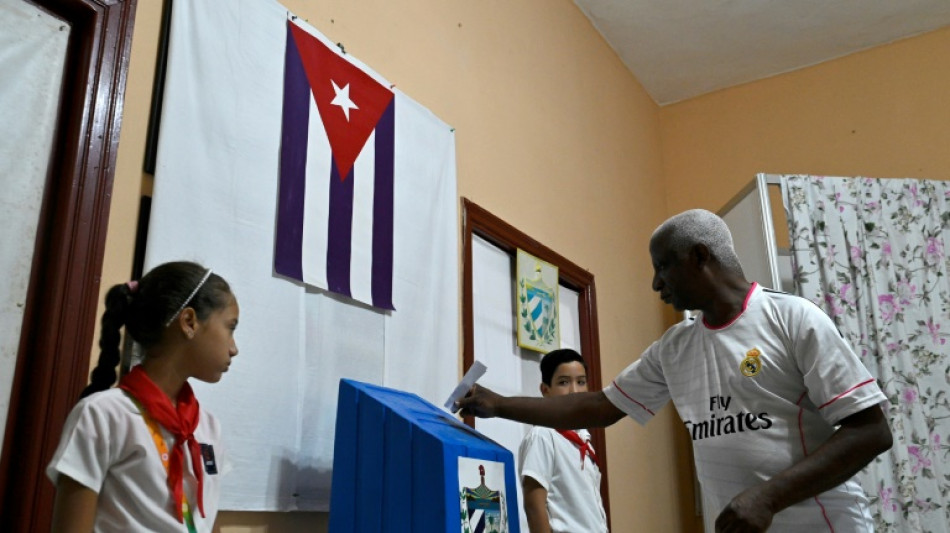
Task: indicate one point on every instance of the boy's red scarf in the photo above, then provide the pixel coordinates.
(584, 445)
(180, 422)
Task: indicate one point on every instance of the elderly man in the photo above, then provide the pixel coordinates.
(781, 411)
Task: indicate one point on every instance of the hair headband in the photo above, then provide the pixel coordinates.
(188, 299)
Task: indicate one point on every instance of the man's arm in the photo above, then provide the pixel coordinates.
(860, 438)
(571, 411)
(535, 505)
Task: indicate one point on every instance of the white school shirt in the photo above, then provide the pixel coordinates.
(107, 447)
(747, 427)
(573, 500)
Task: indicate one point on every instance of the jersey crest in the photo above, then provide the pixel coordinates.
(751, 365)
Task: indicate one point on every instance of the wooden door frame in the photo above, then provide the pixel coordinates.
(62, 298)
(478, 221)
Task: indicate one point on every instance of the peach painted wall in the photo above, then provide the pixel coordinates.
(553, 135)
(881, 113)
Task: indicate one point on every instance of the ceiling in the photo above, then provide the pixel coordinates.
(679, 49)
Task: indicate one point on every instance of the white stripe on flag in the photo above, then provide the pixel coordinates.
(317, 202)
(361, 259)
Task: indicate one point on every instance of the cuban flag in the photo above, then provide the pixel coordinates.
(334, 226)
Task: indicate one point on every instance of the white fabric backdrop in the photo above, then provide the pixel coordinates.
(215, 202)
(32, 53)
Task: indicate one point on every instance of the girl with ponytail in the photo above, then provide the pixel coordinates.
(143, 456)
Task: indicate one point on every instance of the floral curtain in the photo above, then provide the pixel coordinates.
(872, 254)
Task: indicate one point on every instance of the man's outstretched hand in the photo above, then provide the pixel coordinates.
(480, 402)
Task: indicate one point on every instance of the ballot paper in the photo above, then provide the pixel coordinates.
(476, 371)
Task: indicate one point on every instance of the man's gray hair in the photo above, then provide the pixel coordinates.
(699, 226)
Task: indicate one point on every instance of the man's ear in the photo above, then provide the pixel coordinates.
(701, 255)
(544, 389)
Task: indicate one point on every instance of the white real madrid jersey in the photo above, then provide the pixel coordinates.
(756, 396)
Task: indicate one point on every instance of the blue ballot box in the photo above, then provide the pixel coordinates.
(401, 464)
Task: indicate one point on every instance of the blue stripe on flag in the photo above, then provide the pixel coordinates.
(383, 201)
(293, 161)
(340, 231)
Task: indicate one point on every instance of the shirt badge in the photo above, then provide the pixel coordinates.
(207, 457)
(751, 365)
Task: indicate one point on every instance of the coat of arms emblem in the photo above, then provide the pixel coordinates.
(537, 304)
(482, 508)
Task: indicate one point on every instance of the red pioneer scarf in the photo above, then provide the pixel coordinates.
(584, 445)
(180, 422)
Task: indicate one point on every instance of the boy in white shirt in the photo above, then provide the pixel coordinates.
(559, 472)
